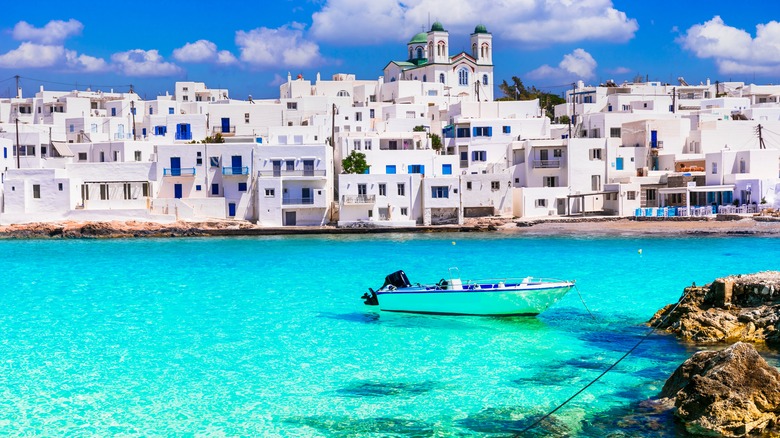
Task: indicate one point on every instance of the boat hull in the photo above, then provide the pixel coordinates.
(521, 301)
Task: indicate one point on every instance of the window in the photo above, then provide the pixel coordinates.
(292, 105)
(404, 211)
(714, 168)
(356, 145)
(462, 133)
(463, 76)
(419, 53)
(495, 185)
(289, 165)
(446, 169)
(361, 189)
(631, 195)
(246, 117)
(483, 131)
(367, 144)
(390, 169)
(595, 154)
(478, 156)
(151, 110)
(506, 129)
(215, 189)
(416, 168)
(242, 187)
(198, 187)
(550, 181)
(170, 110)
(82, 156)
(25, 151)
(36, 191)
(269, 193)
(614, 132)
(401, 189)
(103, 192)
(59, 186)
(651, 194)
(595, 183)
(371, 113)
(370, 213)
(214, 161)
(343, 93)
(484, 79)
(358, 117)
(382, 189)
(72, 127)
(468, 185)
(557, 153)
(113, 112)
(441, 78)
(440, 192)
(540, 203)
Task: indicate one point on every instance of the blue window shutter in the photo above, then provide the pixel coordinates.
(390, 169)
(474, 132)
(619, 163)
(446, 169)
(490, 131)
(474, 156)
(422, 169)
(409, 170)
(368, 170)
(5, 152)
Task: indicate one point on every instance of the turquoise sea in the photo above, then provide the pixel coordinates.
(268, 336)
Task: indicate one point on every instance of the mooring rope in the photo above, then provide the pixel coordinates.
(583, 301)
(642, 339)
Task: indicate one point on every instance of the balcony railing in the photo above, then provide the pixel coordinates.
(222, 130)
(235, 171)
(547, 164)
(359, 199)
(179, 171)
(298, 201)
(183, 136)
(292, 172)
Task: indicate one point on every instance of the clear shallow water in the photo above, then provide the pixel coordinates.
(267, 336)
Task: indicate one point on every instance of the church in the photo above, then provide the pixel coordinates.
(461, 75)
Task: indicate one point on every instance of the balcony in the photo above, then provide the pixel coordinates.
(299, 173)
(224, 130)
(235, 171)
(179, 171)
(298, 201)
(358, 199)
(547, 164)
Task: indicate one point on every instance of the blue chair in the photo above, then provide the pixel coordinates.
(638, 212)
(648, 211)
(660, 212)
(672, 212)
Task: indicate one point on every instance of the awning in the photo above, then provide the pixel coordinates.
(62, 149)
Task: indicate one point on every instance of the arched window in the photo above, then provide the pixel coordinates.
(430, 49)
(474, 50)
(419, 53)
(463, 76)
(343, 93)
(485, 50)
(442, 48)
(441, 78)
(425, 78)
(392, 79)
(411, 52)
(484, 80)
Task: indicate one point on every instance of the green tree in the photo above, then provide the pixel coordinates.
(516, 90)
(418, 128)
(436, 143)
(355, 162)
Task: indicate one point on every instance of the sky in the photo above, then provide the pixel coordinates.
(250, 47)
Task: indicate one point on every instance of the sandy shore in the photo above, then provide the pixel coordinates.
(550, 227)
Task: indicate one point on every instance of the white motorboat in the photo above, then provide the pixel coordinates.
(497, 297)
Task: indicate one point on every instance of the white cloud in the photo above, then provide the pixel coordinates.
(31, 55)
(578, 64)
(139, 62)
(199, 51)
(284, 46)
(278, 80)
(536, 22)
(226, 58)
(54, 31)
(85, 63)
(620, 70)
(735, 50)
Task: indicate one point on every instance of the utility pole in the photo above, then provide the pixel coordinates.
(674, 100)
(17, 86)
(333, 157)
(132, 111)
(761, 144)
(18, 147)
(573, 107)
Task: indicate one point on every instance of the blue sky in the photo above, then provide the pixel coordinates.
(249, 47)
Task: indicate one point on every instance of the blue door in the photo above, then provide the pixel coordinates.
(619, 163)
(231, 209)
(237, 166)
(653, 139)
(175, 166)
(225, 124)
(306, 196)
(177, 192)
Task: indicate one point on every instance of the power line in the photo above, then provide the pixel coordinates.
(75, 84)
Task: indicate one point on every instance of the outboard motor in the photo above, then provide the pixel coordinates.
(397, 279)
(370, 299)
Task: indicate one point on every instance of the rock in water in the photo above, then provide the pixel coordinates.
(732, 392)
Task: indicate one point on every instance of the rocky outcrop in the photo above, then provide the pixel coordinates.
(736, 308)
(732, 392)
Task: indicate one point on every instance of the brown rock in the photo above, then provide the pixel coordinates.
(732, 392)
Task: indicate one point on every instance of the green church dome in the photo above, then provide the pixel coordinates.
(437, 27)
(480, 29)
(421, 37)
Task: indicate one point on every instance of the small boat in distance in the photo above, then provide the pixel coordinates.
(500, 297)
